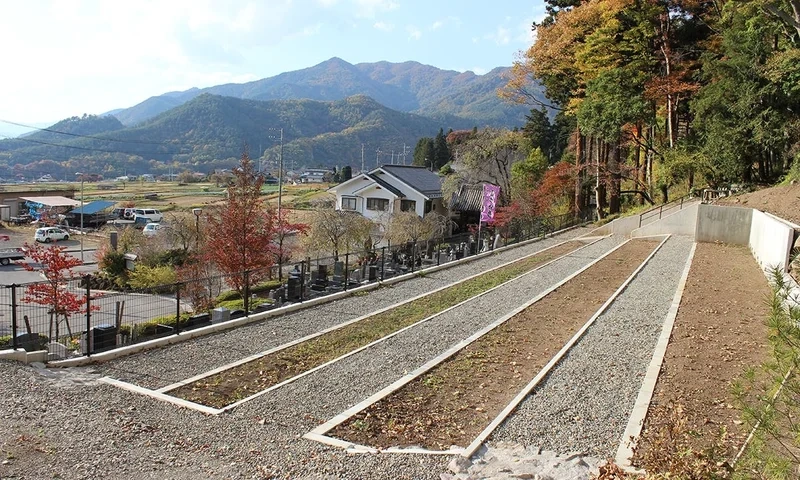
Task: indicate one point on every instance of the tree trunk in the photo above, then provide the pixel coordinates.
(578, 172)
(600, 188)
(637, 152)
(613, 176)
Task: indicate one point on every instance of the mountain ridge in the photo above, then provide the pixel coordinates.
(407, 86)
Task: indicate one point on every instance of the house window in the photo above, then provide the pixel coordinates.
(380, 204)
(348, 203)
(428, 206)
(408, 205)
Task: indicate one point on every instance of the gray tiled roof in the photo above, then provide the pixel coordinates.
(468, 198)
(418, 178)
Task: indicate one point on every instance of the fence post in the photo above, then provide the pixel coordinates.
(89, 336)
(439, 251)
(346, 270)
(413, 256)
(246, 293)
(303, 276)
(14, 343)
(177, 308)
(681, 204)
(383, 261)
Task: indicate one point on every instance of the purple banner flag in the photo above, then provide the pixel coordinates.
(490, 194)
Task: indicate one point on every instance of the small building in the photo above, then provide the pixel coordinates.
(315, 175)
(391, 189)
(16, 201)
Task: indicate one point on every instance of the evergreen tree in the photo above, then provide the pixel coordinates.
(423, 152)
(441, 152)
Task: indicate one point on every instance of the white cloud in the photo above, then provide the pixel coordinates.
(437, 25)
(414, 33)
(383, 26)
(479, 70)
(370, 8)
(501, 36)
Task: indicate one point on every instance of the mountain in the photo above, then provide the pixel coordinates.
(408, 87)
(210, 131)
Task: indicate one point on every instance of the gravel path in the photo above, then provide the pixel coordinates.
(63, 423)
(584, 404)
(164, 366)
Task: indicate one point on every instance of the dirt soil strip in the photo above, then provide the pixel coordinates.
(245, 380)
(719, 332)
(453, 402)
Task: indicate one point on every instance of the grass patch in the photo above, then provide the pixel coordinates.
(223, 388)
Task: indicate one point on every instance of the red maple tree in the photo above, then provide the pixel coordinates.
(54, 293)
(242, 234)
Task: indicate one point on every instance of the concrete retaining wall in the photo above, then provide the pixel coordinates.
(682, 222)
(620, 226)
(724, 224)
(771, 241)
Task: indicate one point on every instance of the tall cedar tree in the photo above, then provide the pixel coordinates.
(241, 235)
(54, 293)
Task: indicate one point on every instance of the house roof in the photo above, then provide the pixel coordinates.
(418, 178)
(383, 183)
(93, 207)
(53, 201)
(469, 198)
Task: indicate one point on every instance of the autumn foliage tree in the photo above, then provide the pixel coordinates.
(242, 232)
(54, 293)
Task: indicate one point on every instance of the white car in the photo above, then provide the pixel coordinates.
(151, 229)
(148, 214)
(50, 234)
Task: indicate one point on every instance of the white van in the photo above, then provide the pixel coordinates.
(146, 215)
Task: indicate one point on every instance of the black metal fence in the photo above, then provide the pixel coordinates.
(110, 319)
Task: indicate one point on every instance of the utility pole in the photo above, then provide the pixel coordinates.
(377, 158)
(362, 158)
(392, 157)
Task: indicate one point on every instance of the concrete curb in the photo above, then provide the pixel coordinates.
(184, 336)
(501, 417)
(318, 433)
(636, 421)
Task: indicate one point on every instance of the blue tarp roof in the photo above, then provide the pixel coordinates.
(93, 207)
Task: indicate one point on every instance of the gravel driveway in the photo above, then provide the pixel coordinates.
(66, 424)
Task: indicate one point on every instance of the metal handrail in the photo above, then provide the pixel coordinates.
(660, 209)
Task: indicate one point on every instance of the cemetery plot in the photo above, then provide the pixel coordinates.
(453, 402)
(718, 333)
(245, 380)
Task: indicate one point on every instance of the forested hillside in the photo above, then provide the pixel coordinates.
(211, 131)
(668, 94)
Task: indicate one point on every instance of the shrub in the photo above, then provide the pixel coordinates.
(162, 278)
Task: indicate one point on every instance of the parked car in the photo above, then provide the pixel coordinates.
(127, 214)
(50, 234)
(151, 229)
(151, 214)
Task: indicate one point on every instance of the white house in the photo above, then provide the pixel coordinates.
(391, 189)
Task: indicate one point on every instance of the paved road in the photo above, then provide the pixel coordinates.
(138, 308)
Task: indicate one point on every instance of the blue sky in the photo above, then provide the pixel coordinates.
(68, 57)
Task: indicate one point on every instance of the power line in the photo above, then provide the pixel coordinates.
(129, 152)
(95, 137)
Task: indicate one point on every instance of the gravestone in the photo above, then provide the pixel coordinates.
(220, 314)
(372, 273)
(293, 288)
(56, 351)
(338, 272)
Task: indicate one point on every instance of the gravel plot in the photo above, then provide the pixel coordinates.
(584, 404)
(164, 366)
(63, 423)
